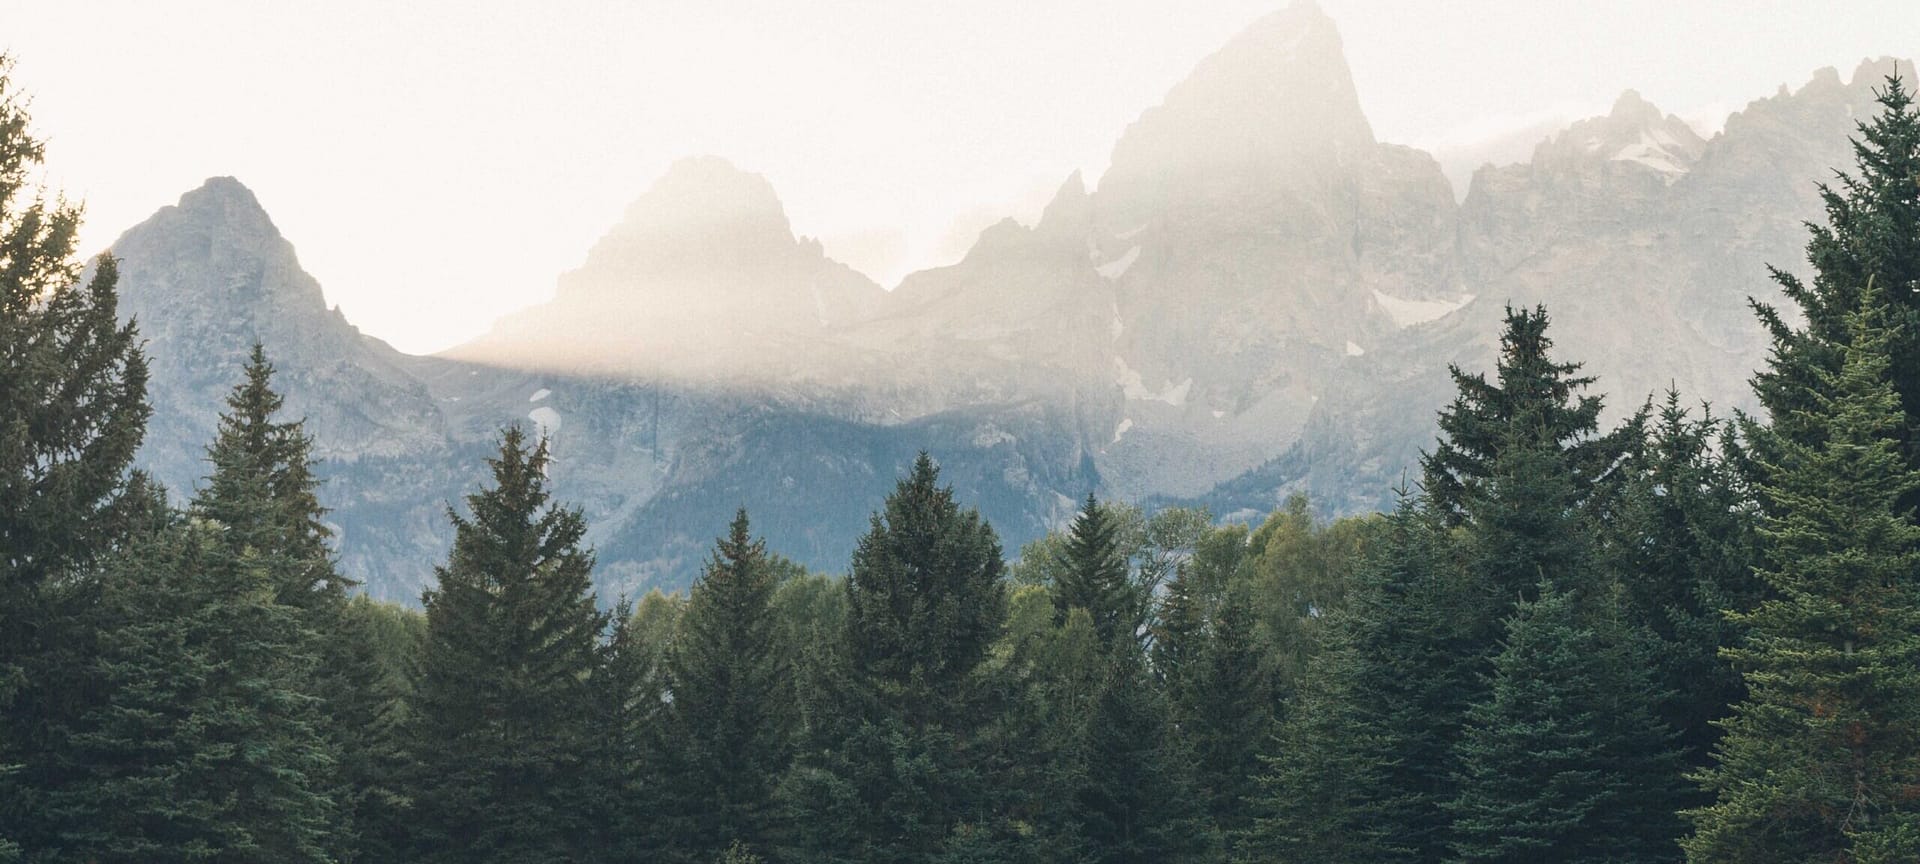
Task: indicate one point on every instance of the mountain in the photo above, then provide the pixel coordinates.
(1257, 297)
(702, 280)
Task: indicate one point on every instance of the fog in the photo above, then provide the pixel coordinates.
(440, 164)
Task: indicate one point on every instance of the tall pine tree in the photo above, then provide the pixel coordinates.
(729, 717)
(72, 412)
(1822, 760)
(902, 774)
(503, 734)
(1096, 576)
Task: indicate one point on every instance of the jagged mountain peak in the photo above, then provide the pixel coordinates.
(701, 211)
(1634, 133)
(1276, 105)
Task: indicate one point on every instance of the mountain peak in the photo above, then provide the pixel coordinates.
(226, 202)
(702, 211)
(1276, 104)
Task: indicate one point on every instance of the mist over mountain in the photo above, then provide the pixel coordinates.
(1257, 297)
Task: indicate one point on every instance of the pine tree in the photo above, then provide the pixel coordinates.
(1684, 548)
(1362, 768)
(264, 493)
(1872, 234)
(1534, 401)
(729, 717)
(502, 734)
(925, 601)
(896, 770)
(72, 413)
(200, 750)
(1224, 711)
(1822, 760)
(1096, 577)
(1563, 761)
(1134, 803)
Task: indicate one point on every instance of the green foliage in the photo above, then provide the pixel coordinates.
(1564, 761)
(728, 719)
(1363, 765)
(1822, 760)
(1872, 235)
(72, 412)
(1096, 577)
(1297, 572)
(1534, 402)
(201, 749)
(503, 734)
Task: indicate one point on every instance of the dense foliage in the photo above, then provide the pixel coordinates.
(1675, 638)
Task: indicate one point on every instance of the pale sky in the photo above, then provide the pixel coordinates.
(439, 164)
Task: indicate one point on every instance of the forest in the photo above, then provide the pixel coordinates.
(1677, 637)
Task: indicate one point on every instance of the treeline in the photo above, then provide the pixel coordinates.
(1681, 637)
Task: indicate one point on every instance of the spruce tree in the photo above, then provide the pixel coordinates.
(1134, 802)
(264, 492)
(1535, 400)
(1362, 768)
(503, 734)
(1872, 234)
(1822, 760)
(898, 770)
(1223, 708)
(729, 717)
(72, 413)
(201, 748)
(1096, 576)
(1683, 546)
(1564, 761)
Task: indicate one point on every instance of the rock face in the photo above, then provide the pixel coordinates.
(703, 279)
(1258, 297)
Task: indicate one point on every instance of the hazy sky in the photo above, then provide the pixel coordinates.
(438, 164)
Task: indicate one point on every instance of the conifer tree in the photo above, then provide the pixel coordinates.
(1096, 576)
(1872, 234)
(1134, 803)
(201, 749)
(901, 773)
(1683, 547)
(264, 492)
(1534, 401)
(72, 412)
(502, 734)
(1564, 761)
(1822, 760)
(1223, 708)
(728, 717)
(925, 601)
(1363, 765)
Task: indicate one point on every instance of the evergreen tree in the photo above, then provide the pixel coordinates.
(264, 493)
(1223, 709)
(1563, 761)
(1872, 234)
(729, 715)
(1134, 803)
(1534, 401)
(200, 750)
(72, 413)
(925, 601)
(901, 774)
(1096, 577)
(1684, 548)
(1822, 760)
(502, 735)
(1363, 765)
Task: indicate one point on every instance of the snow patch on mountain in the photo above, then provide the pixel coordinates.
(539, 394)
(1406, 313)
(1118, 267)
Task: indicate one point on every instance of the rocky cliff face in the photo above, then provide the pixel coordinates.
(1258, 297)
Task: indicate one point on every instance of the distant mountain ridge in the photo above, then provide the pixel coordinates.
(1258, 297)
